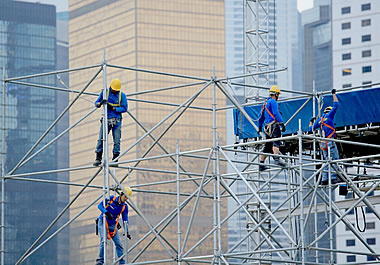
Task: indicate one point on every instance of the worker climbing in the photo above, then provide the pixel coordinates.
(273, 125)
(112, 209)
(116, 104)
(326, 125)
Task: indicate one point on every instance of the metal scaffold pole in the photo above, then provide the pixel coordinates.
(290, 218)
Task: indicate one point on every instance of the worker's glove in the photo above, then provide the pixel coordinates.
(103, 101)
(109, 215)
(129, 236)
(110, 107)
(282, 125)
(333, 91)
(312, 120)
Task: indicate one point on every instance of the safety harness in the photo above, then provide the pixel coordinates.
(112, 234)
(330, 135)
(268, 127)
(114, 104)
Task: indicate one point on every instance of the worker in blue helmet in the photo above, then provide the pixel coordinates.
(116, 105)
(112, 209)
(273, 125)
(327, 127)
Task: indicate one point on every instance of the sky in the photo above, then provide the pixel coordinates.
(62, 5)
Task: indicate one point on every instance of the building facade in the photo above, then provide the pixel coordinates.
(184, 37)
(356, 59)
(317, 47)
(28, 46)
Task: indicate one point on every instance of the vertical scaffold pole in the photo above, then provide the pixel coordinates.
(3, 176)
(179, 255)
(105, 154)
(302, 214)
(315, 180)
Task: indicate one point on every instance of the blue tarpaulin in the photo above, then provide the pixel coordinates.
(355, 108)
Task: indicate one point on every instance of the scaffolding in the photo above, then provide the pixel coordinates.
(266, 221)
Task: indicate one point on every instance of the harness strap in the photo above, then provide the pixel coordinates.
(330, 135)
(113, 104)
(112, 234)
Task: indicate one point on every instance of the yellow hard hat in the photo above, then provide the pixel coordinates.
(274, 89)
(127, 190)
(327, 109)
(115, 84)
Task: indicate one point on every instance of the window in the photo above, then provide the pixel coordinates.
(346, 10)
(366, 7)
(351, 212)
(346, 85)
(346, 41)
(368, 210)
(351, 258)
(350, 242)
(366, 38)
(346, 71)
(371, 241)
(366, 69)
(366, 22)
(368, 84)
(346, 25)
(371, 258)
(348, 228)
(346, 56)
(371, 225)
(366, 53)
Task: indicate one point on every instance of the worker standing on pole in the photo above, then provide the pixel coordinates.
(273, 125)
(116, 104)
(112, 209)
(326, 125)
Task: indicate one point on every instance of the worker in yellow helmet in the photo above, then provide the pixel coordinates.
(273, 125)
(111, 210)
(116, 102)
(327, 127)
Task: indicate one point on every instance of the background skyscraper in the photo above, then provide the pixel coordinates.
(28, 46)
(185, 37)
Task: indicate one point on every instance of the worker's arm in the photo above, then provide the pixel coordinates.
(99, 100)
(125, 218)
(313, 127)
(123, 104)
(101, 206)
(331, 114)
(275, 112)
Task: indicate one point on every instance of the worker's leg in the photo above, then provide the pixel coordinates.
(116, 134)
(334, 156)
(276, 145)
(267, 149)
(325, 175)
(119, 246)
(100, 259)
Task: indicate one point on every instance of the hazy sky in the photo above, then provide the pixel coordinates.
(62, 5)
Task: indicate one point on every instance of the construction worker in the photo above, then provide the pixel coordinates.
(112, 209)
(273, 125)
(326, 125)
(116, 104)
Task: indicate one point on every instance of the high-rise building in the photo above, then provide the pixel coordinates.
(28, 46)
(317, 47)
(184, 37)
(355, 42)
(356, 62)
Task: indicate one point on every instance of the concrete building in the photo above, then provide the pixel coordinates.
(184, 37)
(28, 46)
(317, 47)
(356, 60)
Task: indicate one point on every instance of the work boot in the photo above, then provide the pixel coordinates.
(98, 159)
(279, 162)
(263, 167)
(115, 155)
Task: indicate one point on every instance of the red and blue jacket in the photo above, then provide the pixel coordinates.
(270, 105)
(113, 208)
(327, 119)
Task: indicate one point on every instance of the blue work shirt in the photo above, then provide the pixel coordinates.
(114, 99)
(273, 108)
(327, 119)
(114, 208)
